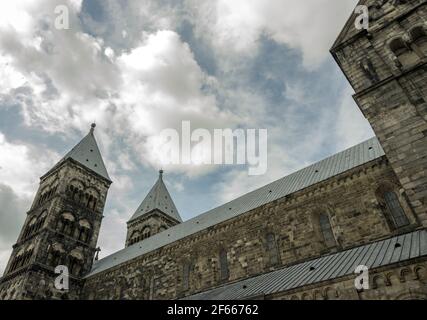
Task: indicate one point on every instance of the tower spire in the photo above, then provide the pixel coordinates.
(158, 199)
(71, 197)
(156, 213)
(87, 153)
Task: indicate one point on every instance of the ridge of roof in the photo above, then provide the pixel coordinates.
(338, 163)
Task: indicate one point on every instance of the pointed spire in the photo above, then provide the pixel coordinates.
(158, 199)
(87, 153)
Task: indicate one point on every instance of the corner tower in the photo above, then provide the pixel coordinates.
(386, 65)
(61, 227)
(156, 213)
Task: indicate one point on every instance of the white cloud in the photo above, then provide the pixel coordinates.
(20, 167)
(12, 216)
(113, 233)
(72, 79)
(309, 25)
(135, 76)
(351, 126)
(127, 20)
(231, 27)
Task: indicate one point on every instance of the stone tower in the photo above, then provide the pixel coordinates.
(386, 65)
(61, 227)
(156, 213)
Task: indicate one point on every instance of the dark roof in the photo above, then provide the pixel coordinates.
(87, 153)
(377, 254)
(158, 199)
(339, 163)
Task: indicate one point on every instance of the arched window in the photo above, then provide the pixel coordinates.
(398, 47)
(418, 34)
(186, 270)
(23, 258)
(146, 232)
(395, 209)
(402, 52)
(91, 198)
(76, 191)
(84, 230)
(419, 37)
(17, 262)
(30, 227)
(41, 220)
(55, 255)
(44, 194)
(326, 229)
(81, 198)
(223, 264)
(76, 260)
(66, 224)
(74, 266)
(76, 195)
(91, 202)
(272, 250)
(134, 238)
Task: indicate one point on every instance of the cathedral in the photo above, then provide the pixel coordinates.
(305, 236)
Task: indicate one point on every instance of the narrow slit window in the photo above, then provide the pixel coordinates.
(326, 229)
(272, 249)
(223, 264)
(395, 209)
(186, 276)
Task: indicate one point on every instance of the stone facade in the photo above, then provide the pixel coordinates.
(61, 228)
(155, 214)
(352, 202)
(386, 65)
(385, 197)
(399, 282)
(147, 226)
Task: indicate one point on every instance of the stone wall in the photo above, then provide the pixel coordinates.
(397, 282)
(35, 278)
(155, 222)
(350, 200)
(387, 68)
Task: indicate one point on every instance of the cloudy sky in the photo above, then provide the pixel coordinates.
(137, 67)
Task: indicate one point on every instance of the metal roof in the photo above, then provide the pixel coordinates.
(160, 199)
(377, 254)
(87, 153)
(343, 161)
